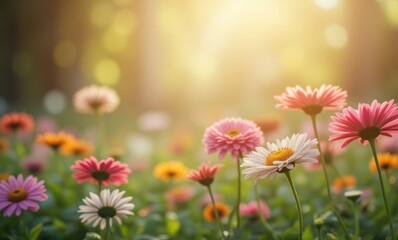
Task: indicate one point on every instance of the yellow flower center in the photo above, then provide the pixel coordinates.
(17, 195)
(233, 132)
(281, 154)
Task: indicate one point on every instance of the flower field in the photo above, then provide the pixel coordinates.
(231, 179)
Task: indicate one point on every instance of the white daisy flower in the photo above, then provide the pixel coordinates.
(110, 205)
(96, 99)
(280, 157)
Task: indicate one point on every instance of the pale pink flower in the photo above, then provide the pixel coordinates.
(365, 123)
(96, 99)
(389, 145)
(312, 101)
(18, 194)
(233, 135)
(205, 174)
(179, 195)
(251, 210)
(34, 164)
(104, 171)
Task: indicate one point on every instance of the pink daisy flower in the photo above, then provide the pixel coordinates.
(14, 122)
(18, 194)
(233, 135)
(312, 101)
(365, 123)
(103, 172)
(251, 210)
(205, 174)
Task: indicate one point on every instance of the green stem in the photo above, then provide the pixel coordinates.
(216, 212)
(318, 230)
(102, 133)
(261, 216)
(19, 148)
(24, 227)
(239, 193)
(99, 187)
(296, 197)
(356, 219)
(325, 172)
(107, 230)
(373, 146)
(60, 164)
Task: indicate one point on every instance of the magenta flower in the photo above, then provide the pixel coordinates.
(251, 210)
(365, 123)
(18, 194)
(312, 101)
(104, 171)
(205, 174)
(233, 135)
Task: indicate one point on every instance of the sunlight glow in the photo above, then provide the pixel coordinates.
(326, 4)
(336, 36)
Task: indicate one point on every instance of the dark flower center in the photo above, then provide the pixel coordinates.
(107, 212)
(369, 133)
(206, 181)
(385, 166)
(221, 212)
(17, 195)
(100, 175)
(14, 126)
(312, 109)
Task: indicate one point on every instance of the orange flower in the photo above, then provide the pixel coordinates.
(4, 176)
(170, 171)
(54, 140)
(14, 122)
(77, 147)
(222, 209)
(347, 181)
(268, 124)
(387, 162)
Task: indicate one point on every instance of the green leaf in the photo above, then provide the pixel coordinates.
(332, 236)
(172, 224)
(35, 232)
(307, 233)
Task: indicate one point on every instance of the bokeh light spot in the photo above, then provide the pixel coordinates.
(54, 101)
(65, 54)
(139, 145)
(107, 71)
(391, 10)
(124, 22)
(113, 42)
(336, 36)
(101, 14)
(326, 4)
(153, 121)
